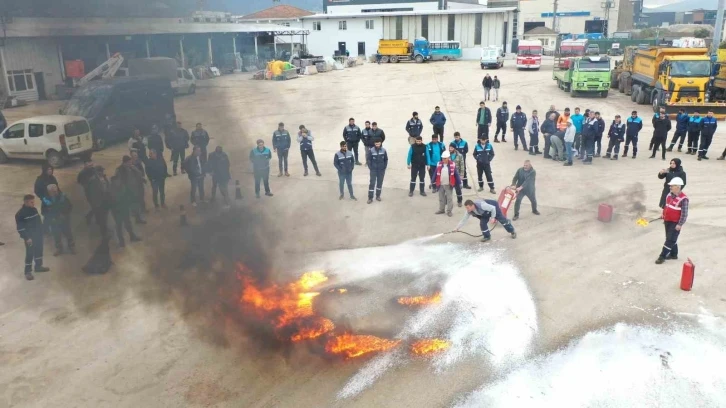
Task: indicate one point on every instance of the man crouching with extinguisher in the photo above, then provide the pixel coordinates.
(675, 214)
(484, 210)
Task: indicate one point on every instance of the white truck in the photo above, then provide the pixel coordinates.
(492, 57)
(182, 79)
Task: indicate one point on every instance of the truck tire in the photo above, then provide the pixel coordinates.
(445, 58)
(3, 157)
(394, 59)
(54, 158)
(604, 94)
(621, 86)
(656, 100)
(642, 96)
(573, 93)
(614, 83)
(384, 58)
(419, 59)
(634, 93)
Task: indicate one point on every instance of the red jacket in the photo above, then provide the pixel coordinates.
(672, 209)
(454, 179)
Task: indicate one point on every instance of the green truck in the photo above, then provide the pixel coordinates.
(584, 75)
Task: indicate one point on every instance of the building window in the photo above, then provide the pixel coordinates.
(286, 24)
(478, 28)
(452, 27)
(21, 80)
(369, 24)
(425, 27)
(342, 25)
(316, 25)
(399, 27)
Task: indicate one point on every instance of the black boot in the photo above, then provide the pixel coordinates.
(625, 151)
(670, 148)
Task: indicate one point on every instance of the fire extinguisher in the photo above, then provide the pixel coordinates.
(687, 275)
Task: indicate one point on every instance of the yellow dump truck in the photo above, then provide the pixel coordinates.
(669, 77)
(402, 50)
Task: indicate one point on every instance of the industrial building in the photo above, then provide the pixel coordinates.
(33, 50)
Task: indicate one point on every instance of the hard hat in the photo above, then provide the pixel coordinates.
(446, 155)
(676, 181)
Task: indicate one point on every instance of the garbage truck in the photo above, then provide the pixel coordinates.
(670, 77)
(402, 50)
(584, 75)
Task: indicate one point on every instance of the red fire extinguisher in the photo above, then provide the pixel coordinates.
(689, 272)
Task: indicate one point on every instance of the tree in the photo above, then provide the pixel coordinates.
(722, 46)
(701, 33)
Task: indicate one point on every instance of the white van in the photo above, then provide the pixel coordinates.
(55, 138)
(492, 57)
(185, 82)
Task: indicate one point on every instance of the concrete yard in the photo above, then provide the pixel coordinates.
(151, 333)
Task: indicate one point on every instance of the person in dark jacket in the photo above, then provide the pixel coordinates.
(533, 127)
(154, 141)
(661, 127)
(305, 139)
(598, 135)
(195, 171)
(200, 138)
(343, 162)
(377, 162)
(487, 83)
(675, 169)
(377, 134)
(694, 132)
(59, 216)
(632, 128)
(708, 128)
(679, 135)
(260, 158)
(100, 198)
(483, 121)
(218, 166)
(518, 124)
(137, 143)
(589, 132)
(136, 161)
(30, 228)
(502, 119)
(524, 183)
(42, 182)
(352, 136)
(484, 154)
(417, 162)
(551, 111)
(434, 150)
(616, 135)
(548, 128)
(281, 143)
(177, 140)
(123, 198)
(366, 136)
(438, 120)
(83, 179)
(462, 147)
(133, 181)
(157, 172)
(484, 210)
(414, 127)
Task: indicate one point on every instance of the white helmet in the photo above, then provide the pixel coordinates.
(676, 181)
(445, 155)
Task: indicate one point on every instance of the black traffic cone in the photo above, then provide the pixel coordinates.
(237, 190)
(182, 216)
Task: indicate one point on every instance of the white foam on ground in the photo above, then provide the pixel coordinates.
(623, 366)
(485, 302)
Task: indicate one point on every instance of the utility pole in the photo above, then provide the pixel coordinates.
(718, 31)
(554, 17)
(607, 5)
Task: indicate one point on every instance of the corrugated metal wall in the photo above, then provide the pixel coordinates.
(38, 54)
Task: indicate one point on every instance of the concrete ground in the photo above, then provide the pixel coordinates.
(145, 334)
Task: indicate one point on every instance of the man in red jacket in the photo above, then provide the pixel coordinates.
(446, 180)
(675, 214)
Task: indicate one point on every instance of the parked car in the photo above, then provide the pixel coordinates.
(115, 106)
(491, 57)
(615, 49)
(592, 49)
(55, 138)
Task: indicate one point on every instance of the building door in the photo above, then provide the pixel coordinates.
(361, 48)
(341, 48)
(40, 85)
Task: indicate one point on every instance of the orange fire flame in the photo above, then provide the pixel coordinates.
(339, 290)
(351, 345)
(429, 346)
(419, 300)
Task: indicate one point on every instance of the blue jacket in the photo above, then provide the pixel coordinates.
(438, 119)
(260, 158)
(306, 143)
(484, 154)
(377, 159)
(461, 146)
(518, 121)
(708, 126)
(577, 121)
(344, 162)
(617, 131)
(695, 124)
(281, 140)
(633, 126)
(682, 120)
(414, 127)
(600, 126)
(433, 152)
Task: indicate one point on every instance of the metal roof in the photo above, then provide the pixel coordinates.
(482, 10)
(60, 27)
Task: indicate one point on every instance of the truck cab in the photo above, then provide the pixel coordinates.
(585, 75)
(529, 54)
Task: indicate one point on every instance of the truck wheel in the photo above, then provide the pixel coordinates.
(656, 101)
(634, 93)
(445, 58)
(3, 157)
(614, 80)
(604, 94)
(419, 59)
(384, 58)
(99, 144)
(54, 159)
(621, 86)
(573, 93)
(640, 99)
(192, 89)
(394, 59)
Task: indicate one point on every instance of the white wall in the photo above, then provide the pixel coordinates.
(38, 54)
(325, 41)
(460, 6)
(350, 9)
(530, 11)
